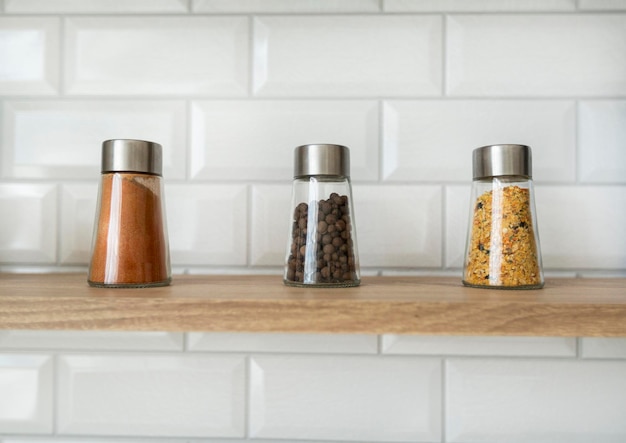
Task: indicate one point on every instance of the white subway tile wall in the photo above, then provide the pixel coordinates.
(347, 56)
(345, 398)
(268, 131)
(230, 88)
(156, 55)
(502, 346)
(535, 55)
(26, 384)
(151, 395)
(487, 400)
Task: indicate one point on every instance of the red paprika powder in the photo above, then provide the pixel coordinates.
(130, 246)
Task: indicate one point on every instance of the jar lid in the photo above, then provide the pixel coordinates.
(127, 155)
(322, 159)
(500, 160)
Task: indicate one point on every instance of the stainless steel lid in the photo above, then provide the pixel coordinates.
(499, 160)
(322, 159)
(127, 155)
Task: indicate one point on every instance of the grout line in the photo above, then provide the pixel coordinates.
(185, 343)
(311, 98)
(444, 225)
(251, 56)
(188, 139)
(62, 59)
(444, 55)
(59, 221)
(444, 388)
(247, 412)
(56, 379)
(381, 141)
(577, 163)
(249, 224)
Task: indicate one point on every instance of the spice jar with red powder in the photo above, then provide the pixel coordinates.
(502, 248)
(130, 244)
(322, 247)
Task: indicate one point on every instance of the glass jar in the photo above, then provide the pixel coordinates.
(322, 246)
(130, 245)
(502, 249)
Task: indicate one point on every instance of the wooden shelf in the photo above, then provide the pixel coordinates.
(395, 305)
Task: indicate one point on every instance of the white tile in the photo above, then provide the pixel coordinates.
(269, 131)
(276, 342)
(602, 141)
(207, 224)
(582, 226)
(456, 273)
(417, 132)
(95, 6)
(29, 54)
(602, 4)
(157, 55)
(603, 347)
(61, 139)
(29, 234)
(457, 224)
(618, 273)
(286, 6)
(554, 55)
(151, 395)
(398, 226)
(91, 340)
(271, 224)
(535, 400)
(347, 56)
(78, 211)
(345, 398)
(477, 5)
(236, 271)
(27, 391)
(486, 346)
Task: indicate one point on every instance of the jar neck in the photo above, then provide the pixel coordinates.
(148, 174)
(504, 179)
(322, 178)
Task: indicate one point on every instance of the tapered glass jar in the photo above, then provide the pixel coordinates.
(130, 243)
(502, 249)
(322, 247)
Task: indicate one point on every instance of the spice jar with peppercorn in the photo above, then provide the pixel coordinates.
(322, 247)
(502, 249)
(130, 244)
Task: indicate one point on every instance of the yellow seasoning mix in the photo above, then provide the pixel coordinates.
(502, 248)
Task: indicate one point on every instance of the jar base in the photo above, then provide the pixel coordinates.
(96, 284)
(344, 284)
(521, 287)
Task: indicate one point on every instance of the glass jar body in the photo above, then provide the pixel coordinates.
(130, 245)
(322, 247)
(502, 249)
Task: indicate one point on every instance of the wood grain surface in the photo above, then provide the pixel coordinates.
(394, 305)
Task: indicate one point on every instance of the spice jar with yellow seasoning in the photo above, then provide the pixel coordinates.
(502, 249)
(322, 247)
(130, 244)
